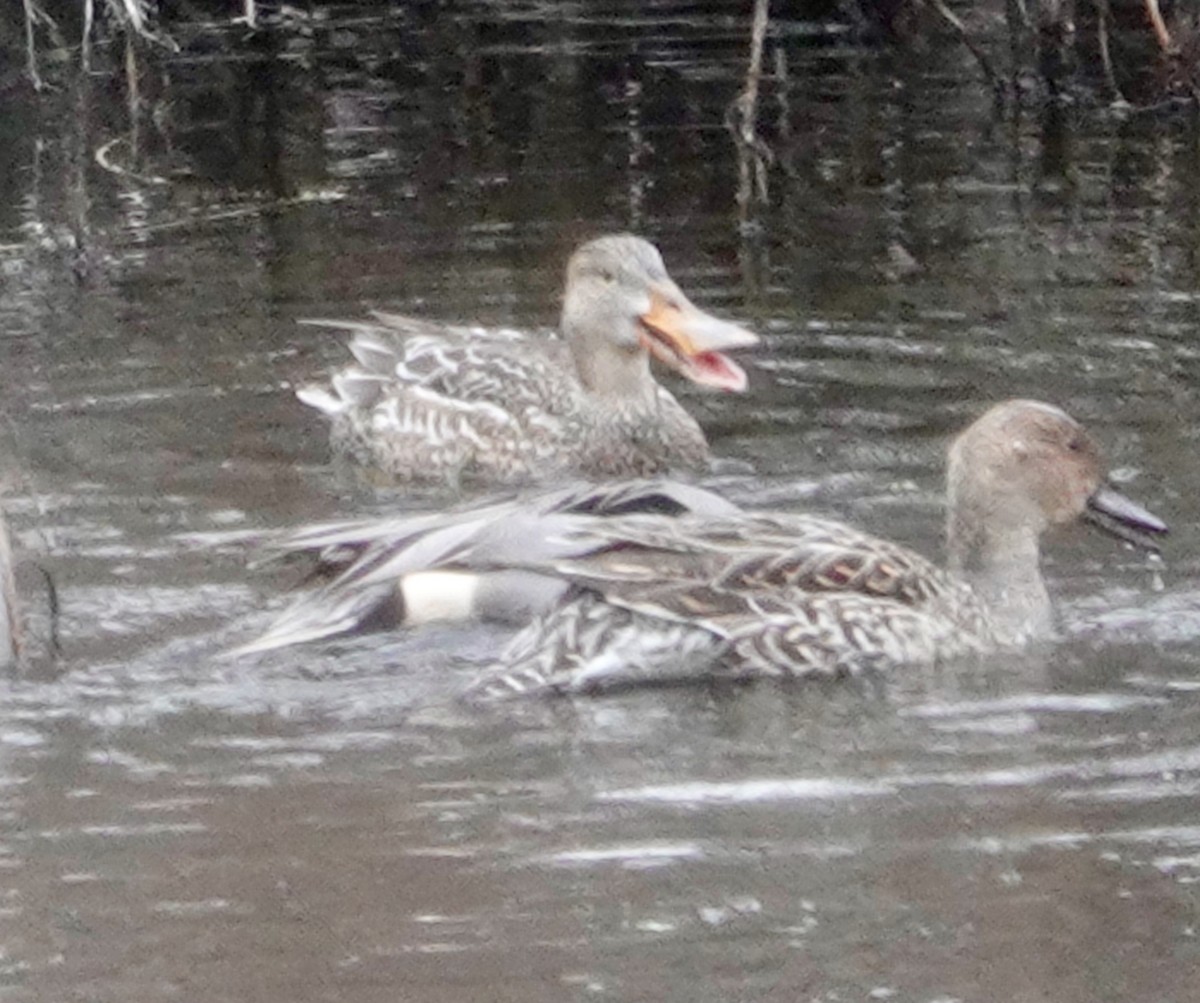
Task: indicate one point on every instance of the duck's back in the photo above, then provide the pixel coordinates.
(427, 401)
(757, 595)
(743, 557)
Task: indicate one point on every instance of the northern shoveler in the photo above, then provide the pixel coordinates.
(657, 582)
(428, 401)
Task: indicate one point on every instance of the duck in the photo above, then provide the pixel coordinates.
(427, 401)
(658, 582)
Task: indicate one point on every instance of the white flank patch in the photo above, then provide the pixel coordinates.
(430, 596)
(322, 400)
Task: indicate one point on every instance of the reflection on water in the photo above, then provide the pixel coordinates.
(329, 823)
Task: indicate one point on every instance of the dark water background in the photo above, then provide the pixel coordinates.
(326, 823)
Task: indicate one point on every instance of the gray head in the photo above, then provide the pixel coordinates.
(621, 306)
(1024, 467)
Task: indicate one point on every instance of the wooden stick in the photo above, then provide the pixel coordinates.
(1159, 26)
(1103, 14)
(31, 46)
(742, 117)
(1026, 20)
(89, 17)
(960, 29)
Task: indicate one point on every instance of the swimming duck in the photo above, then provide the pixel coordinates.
(689, 586)
(428, 401)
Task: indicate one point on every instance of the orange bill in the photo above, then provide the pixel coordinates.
(682, 336)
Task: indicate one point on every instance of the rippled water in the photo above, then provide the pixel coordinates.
(327, 823)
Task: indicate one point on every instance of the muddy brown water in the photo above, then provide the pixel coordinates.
(327, 823)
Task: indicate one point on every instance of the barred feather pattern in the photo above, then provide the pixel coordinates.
(589, 645)
(689, 564)
(586, 645)
(784, 596)
(434, 402)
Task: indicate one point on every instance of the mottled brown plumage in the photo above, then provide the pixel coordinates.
(427, 401)
(655, 582)
(660, 599)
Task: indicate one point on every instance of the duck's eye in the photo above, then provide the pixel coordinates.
(1075, 445)
(608, 276)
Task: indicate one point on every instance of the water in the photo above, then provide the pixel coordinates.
(327, 823)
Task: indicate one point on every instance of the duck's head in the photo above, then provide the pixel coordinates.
(620, 305)
(1026, 466)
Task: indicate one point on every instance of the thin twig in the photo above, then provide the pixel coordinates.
(89, 17)
(1159, 25)
(960, 29)
(1104, 13)
(133, 11)
(1023, 10)
(31, 46)
(132, 89)
(133, 92)
(104, 160)
(758, 36)
(742, 117)
(781, 93)
(137, 20)
(54, 615)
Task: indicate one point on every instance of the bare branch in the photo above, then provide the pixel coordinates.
(133, 13)
(1103, 19)
(742, 117)
(89, 18)
(960, 29)
(31, 13)
(1159, 25)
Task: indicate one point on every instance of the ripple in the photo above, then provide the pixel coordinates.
(635, 857)
(749, 791)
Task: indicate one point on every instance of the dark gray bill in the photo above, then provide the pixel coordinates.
(1112, 512)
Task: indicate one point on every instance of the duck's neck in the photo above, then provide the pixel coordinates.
(631, 426)
(623, 436)
(1003, 567)
(613, 376)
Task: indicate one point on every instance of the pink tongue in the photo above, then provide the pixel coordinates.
(712, 369)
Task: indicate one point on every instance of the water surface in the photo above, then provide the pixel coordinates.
(327, 823)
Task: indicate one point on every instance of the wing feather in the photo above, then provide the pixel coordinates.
(424, 399)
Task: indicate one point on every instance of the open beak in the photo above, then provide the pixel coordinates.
(692, 342)
(1112, 512)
